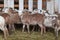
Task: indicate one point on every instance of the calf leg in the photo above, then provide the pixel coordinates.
(33, 28)
(13, 28)
(7, 33)
(9, 27)
(41, 28)
(56, 32)
(5, 37)
(44, 30)
(28, 28)
(23, 27)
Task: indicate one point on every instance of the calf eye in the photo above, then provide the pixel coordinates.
(40, 10)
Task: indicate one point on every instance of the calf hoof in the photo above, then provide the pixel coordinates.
(22, 30)
(41, 33)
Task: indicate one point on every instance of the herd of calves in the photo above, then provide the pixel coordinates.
(28, 18)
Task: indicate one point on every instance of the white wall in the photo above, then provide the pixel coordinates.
(59, 6)
(5, 3)
(50, 6)
(56, 5)
(39, 3)
(30, 5)
(21, 6)
(11, 3)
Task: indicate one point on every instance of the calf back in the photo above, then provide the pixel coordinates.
(33, 19)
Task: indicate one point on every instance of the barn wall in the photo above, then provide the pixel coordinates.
(50, 6)
(9, 3)
(21, 5)
(32, 4)
(59, 6)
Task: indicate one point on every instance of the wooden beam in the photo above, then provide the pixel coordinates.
(16, 5)
(1, 5)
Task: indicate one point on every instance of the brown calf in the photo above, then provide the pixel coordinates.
(32, 19)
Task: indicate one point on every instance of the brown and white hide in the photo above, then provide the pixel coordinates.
(48, 21)
(53, 22)
(14, 17)
(3, 27)
(32, 19)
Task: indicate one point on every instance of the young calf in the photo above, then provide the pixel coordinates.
(32, 19)
(52, 20)
(3, 27)
(14, 17)
(58, 24)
